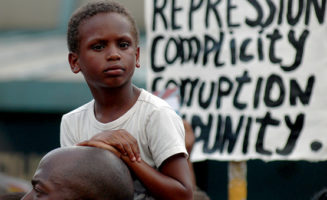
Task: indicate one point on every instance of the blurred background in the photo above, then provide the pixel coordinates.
(37, 88)
(36, 84)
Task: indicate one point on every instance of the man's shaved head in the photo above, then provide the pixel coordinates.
(83, 173)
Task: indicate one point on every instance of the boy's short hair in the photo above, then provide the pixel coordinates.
(89, 10)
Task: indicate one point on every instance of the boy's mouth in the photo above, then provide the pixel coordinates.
(114, 70)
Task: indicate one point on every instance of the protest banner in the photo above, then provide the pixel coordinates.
(252, 74)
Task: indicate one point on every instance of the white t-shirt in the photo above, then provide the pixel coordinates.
(157, 128)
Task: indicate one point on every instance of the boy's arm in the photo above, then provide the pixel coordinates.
(172, 181)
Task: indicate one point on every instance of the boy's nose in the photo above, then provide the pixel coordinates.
(112, 53)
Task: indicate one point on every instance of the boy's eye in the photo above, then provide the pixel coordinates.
(124, 44)
(98, 47)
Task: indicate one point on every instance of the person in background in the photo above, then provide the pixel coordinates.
(81, 173)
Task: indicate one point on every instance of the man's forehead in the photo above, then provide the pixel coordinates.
(49, 168)
(41, 178)
(47, 177)
(43, 173)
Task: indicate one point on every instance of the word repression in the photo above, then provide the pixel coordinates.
(260, 44)
(291, 12)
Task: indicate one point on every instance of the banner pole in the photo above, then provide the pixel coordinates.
(237, 184)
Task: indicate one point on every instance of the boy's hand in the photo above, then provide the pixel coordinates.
(121, 140)
(98, 144)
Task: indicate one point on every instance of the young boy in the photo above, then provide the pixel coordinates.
(140, 128)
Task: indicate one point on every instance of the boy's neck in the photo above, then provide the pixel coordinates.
(113, 103)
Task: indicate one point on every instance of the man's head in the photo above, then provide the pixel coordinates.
(88, 11)
(81, 173)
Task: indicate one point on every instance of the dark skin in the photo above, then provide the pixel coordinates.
(75, 179)
(107, 58)
(47, 183)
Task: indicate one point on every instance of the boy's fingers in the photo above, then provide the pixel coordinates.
(121, 148)
(129, 151)
(84, 143)
(92, 143)
(111, 140)
(134, 148)
(101, 145)
(120, 140)
(130, 145)
(136, 151)
(129, 148)
(138, 157)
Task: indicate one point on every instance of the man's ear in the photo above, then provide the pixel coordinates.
(74, 63)
(137, 57)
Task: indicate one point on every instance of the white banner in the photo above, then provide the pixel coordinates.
(252, 74)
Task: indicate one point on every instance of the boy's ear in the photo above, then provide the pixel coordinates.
(137, 57)
(73, 61)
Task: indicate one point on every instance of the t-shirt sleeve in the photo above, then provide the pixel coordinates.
(166, 135)
(66, 134)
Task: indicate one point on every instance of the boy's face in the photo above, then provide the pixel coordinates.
(107, 51)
